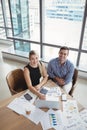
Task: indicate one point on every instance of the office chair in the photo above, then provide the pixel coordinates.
(15, 80)
(74, 80)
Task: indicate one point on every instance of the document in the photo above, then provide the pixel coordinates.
(19, 105)
(55, 91)
(83, 115)
(75, 119)
(52, 119)
(75, 123)
(70, 108)
(36, 115)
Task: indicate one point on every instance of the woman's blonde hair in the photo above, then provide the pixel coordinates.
(41, 67)
(32, 52)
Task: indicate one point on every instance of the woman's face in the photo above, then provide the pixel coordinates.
(34, 59)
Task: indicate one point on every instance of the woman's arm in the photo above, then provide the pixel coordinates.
(29, 84)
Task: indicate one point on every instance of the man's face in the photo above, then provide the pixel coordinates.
(63, 55)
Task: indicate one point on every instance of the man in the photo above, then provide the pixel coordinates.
(61, 70)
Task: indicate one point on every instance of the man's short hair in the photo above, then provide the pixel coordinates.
(64, 48)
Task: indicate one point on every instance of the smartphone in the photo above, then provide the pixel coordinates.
(28, 96)
(43, 91)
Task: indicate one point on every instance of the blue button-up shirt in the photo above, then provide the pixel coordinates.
(65, 71)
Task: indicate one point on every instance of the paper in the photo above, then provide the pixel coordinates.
(36, 115)
(70, 108)
(19, 105)
(52, 119)
(54, 91)
(45, 122)
(75, 123)
(83, 115)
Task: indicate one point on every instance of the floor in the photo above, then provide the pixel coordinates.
(80, 93)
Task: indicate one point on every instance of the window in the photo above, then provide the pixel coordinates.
(84, 44)
(2, 29)
(25, 22)
(25, 19)
(83, 62)
(45, 26)
(52, 52)
(63, 22)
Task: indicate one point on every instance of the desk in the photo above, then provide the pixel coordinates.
(10, 120)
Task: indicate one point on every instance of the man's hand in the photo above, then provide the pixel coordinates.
(60, 81)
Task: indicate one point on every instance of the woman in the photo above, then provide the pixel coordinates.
(33, 73)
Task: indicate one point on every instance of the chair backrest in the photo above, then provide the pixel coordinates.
(15, 80)
(74, 80)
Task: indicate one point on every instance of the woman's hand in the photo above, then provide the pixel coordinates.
(42, 96)
(37, 87)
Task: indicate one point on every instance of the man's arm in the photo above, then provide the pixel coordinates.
(50, 70)
(60, 81)
(69, 75)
